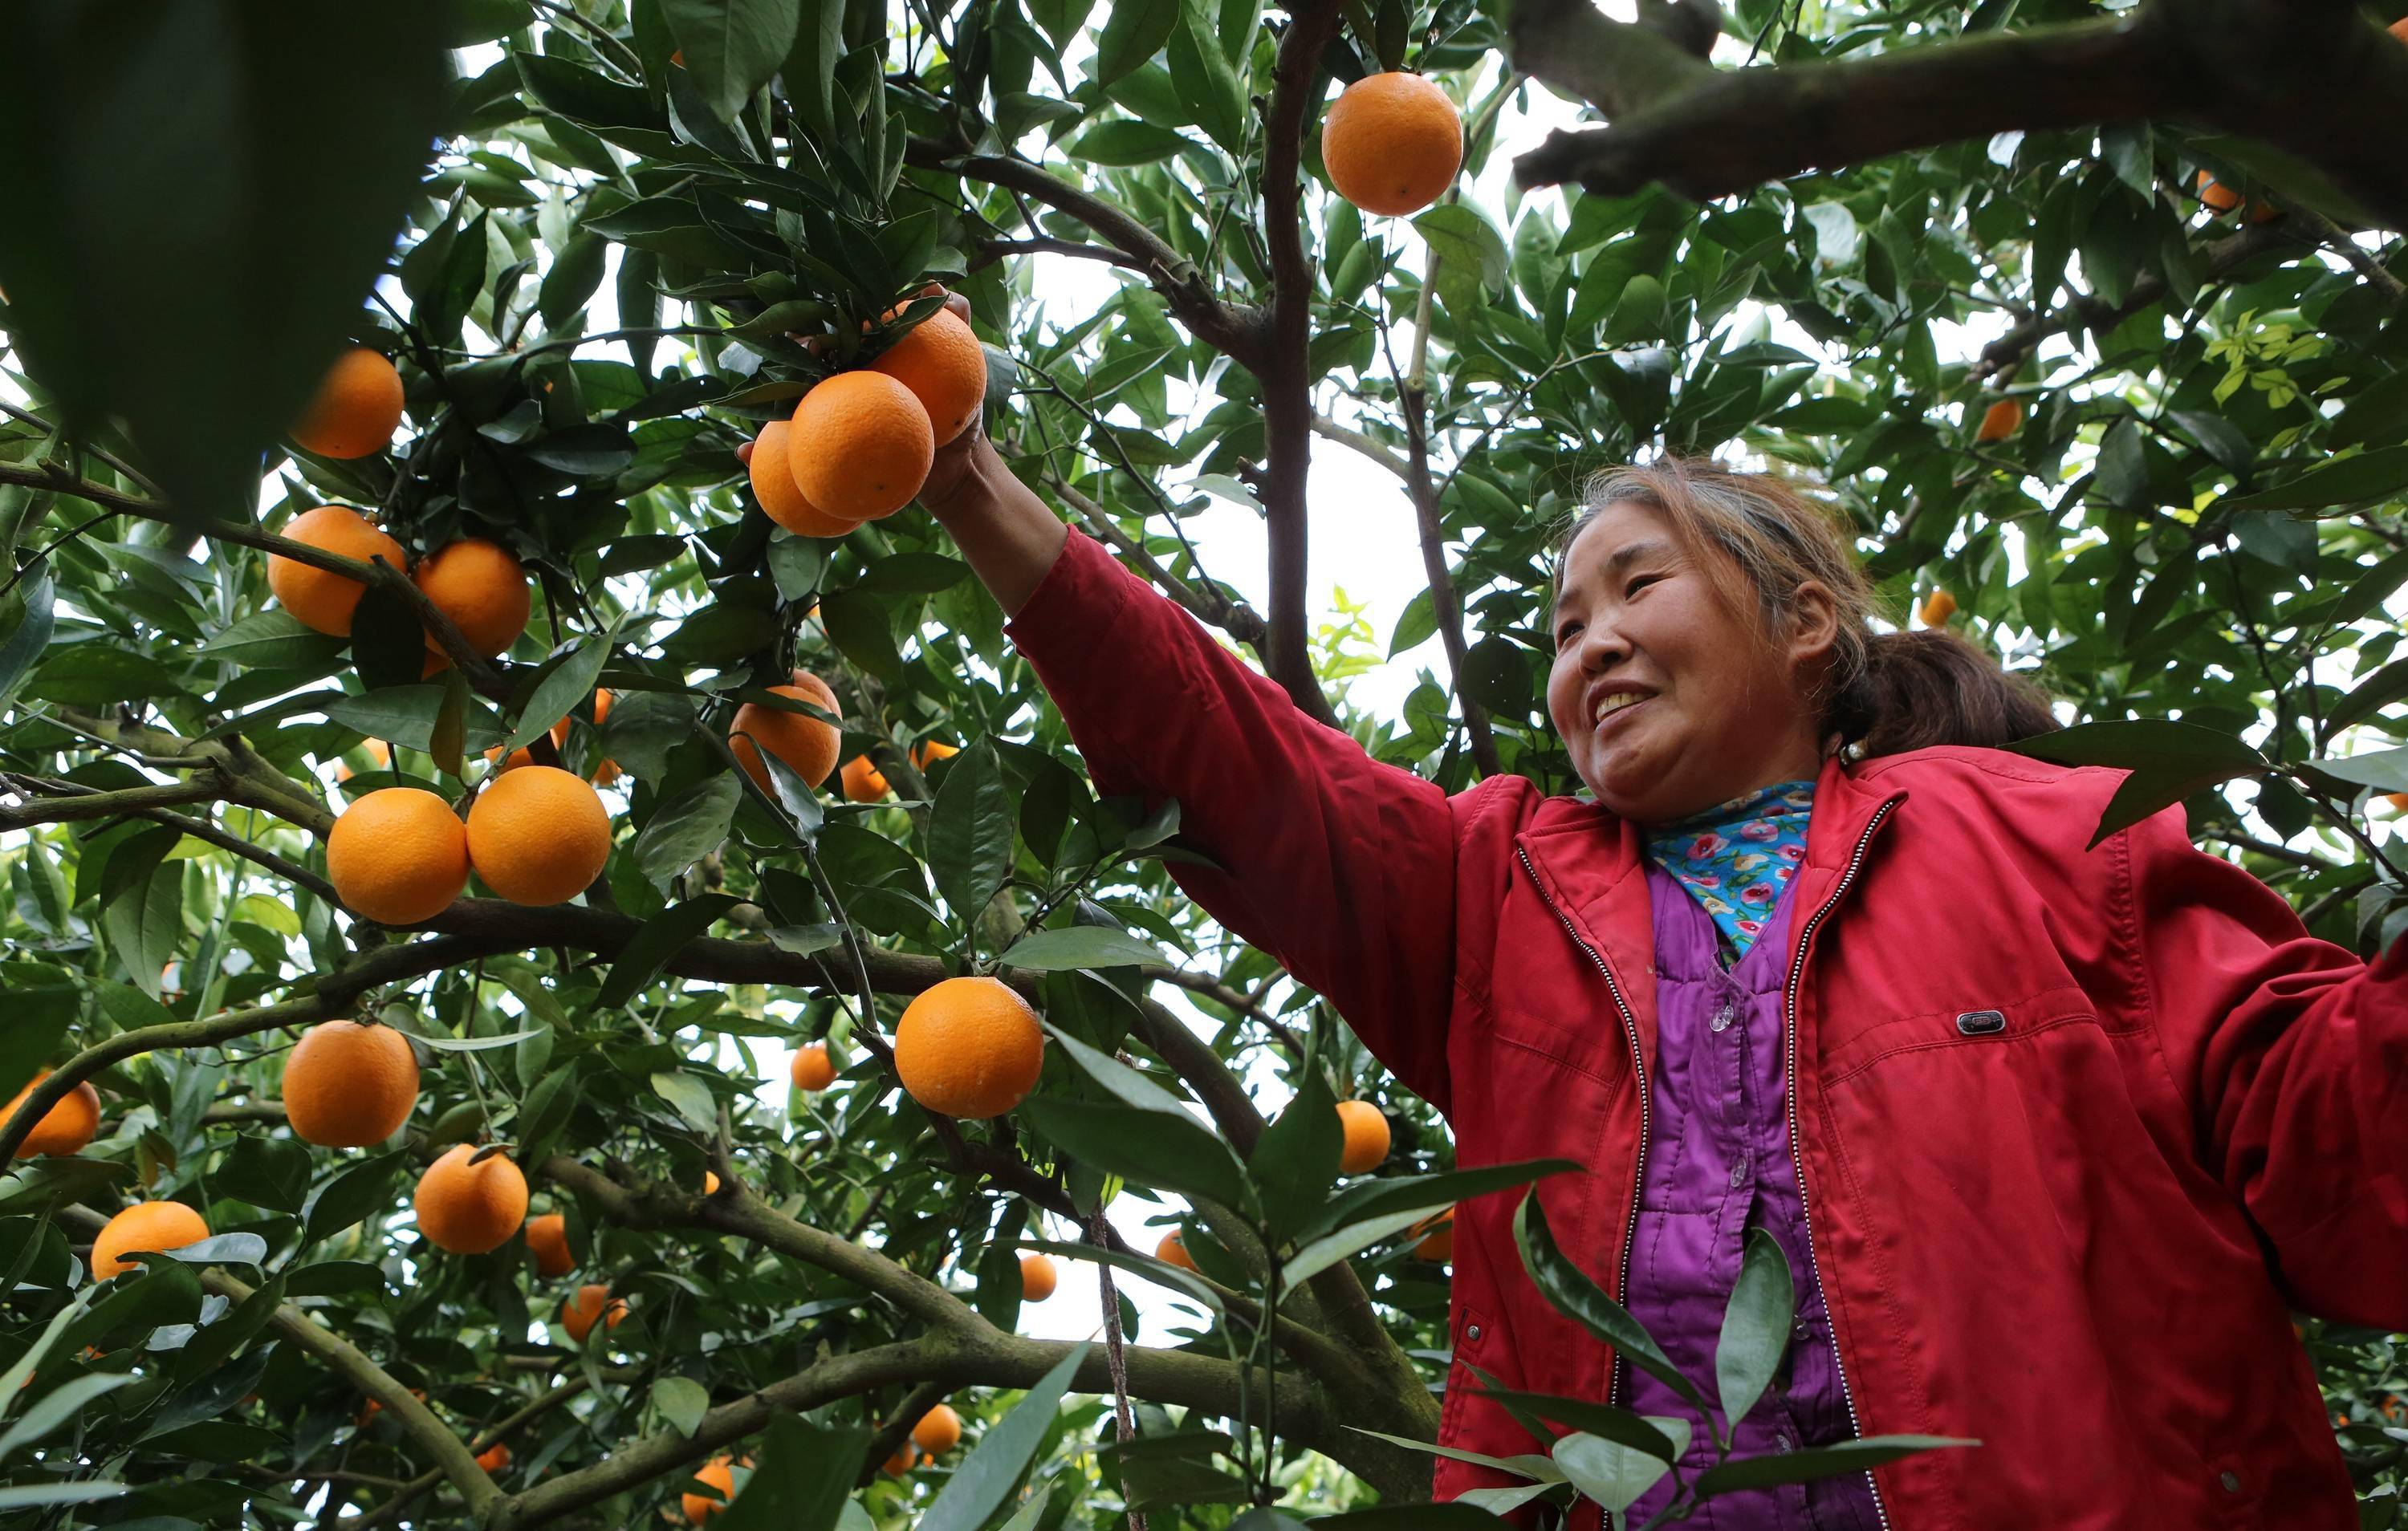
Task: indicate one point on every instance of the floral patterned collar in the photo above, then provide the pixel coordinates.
(1737, 858)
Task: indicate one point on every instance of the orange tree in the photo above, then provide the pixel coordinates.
(2084, 314)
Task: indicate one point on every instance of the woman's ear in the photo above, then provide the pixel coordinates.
(1814, 623)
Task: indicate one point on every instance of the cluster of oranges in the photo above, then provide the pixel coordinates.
(864, 783)
(537, 835)
(478, 583)
(861, 443)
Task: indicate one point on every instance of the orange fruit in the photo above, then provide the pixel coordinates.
(493, 1458)
(375, 1407)
(378, 751)
(321, 601)
(862, 781)
(1438, 1238)
(1366, 1137)
(398, 855)
(813, 1070)
(939, 1430)
(593, 1302)
(1937, 609)
(941, 361)
(65, 1127)
(547, 1239)
(906, 1458)
(2219, 196)
(720, 1474)
(483, 587)
(2000, 421)
(347, 1085)
(711, 1182)
(2398, 800)
(2399, 29)
(1172, 1251)
(1038, 1278)
(356, 409)
(608, 771)
(145, 1226)
(1391, 143)
(781, 498)
(538, 835)
(471, 1209)
(969, 1047)
(862, 446)
(805, 743)
(928, 752)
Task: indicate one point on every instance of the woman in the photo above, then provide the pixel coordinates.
(2050, 1135)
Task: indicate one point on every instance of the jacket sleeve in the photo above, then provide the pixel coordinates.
(1339, 866)
(2294, 1056)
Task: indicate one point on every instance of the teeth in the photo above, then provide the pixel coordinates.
(1615, 702)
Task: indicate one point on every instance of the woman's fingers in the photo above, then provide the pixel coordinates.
(744, 452)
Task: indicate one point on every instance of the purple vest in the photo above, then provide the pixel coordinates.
(1718, 1162)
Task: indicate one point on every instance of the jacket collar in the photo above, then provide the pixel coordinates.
(1592, 865)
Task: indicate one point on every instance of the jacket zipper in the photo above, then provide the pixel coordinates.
(1639, 1071)
(1789, 1092)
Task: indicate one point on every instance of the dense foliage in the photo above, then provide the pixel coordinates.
(602, 284)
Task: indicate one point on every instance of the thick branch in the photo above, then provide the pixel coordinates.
(2317, 81)
(1283, 367)
(1234, 330)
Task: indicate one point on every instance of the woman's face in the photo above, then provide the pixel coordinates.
(1665, 699)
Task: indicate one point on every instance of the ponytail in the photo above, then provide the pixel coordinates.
(1882, 692)
(1918, 689)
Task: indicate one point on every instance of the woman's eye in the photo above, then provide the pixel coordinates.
(1639, 582)
(1565, 634)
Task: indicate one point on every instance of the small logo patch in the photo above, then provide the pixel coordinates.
(1981, 1023)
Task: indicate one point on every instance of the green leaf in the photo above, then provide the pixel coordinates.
(1573, 1295)
(689, 1097)
(146, 924)
(810, 68)
(2349, 480)
(682, 1402)
(13, 1378)
(660, 939)
(352, 1195)
(732, 47)
(1295, 1162)
(856, 625)
(1613, 1474)
(1330, 1249)
(1206, 85)
(688, 828)
(1428, 1193)
(91, 675)
(1831, 1461)
(53, 1408)
(269, 1172)
(2385, 770)
(1167, 1151)
(27, 1042)
(31, 636)
(981, 1484)
(1755, 1326)
(1466, 241)
(804, 1479)
(135, 1304)
(1537, 1468)
(1597, 1419)
(570, 681)
(402, 715)
(1125, 143)
(970, 832)
(274, 641)
(1078, 946)
(83, 1492)
(204, 312)
(2168, 761)
(1132, 34)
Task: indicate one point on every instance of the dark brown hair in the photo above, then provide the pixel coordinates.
(1882, 692)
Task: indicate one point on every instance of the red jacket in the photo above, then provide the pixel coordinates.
(2073, 1237)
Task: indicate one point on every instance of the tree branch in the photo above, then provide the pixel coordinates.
(1346, 436)
(2316, 82)
(1234, 330)
(1207, 605)
(2224, 257)
(1287, 401)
